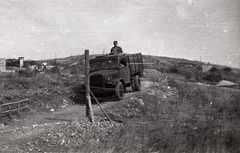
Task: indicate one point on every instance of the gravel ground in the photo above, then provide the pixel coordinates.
(72, 135)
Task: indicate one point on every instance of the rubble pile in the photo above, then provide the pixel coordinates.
(164, 92)
(73, 135)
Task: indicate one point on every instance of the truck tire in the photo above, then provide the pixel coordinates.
(137, 83)
(119, 91)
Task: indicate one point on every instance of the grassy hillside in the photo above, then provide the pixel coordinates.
(193, 71)
(195, 119)
(176, 113)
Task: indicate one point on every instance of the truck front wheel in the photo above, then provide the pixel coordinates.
(119, 90)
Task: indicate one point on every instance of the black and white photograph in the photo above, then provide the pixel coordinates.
(114, 76)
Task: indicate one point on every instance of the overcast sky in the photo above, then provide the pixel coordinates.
(193, 29)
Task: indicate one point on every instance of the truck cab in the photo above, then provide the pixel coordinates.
(112, 74)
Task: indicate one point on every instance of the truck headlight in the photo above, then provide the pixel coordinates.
(108, 78)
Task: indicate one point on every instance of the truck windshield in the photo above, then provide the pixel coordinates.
(109, 64)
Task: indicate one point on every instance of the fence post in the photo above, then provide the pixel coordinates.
(89, 111)
(0, 113)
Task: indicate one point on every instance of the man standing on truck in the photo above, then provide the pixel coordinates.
(116, 49)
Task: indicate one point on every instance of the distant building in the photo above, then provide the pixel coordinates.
(2, 64)
(21, 59)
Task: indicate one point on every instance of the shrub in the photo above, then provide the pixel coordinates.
(74, 70)
(198, 68)
(213, 69)
(187, 73)
(174, 69)
(55, 70)
(212, 76)
(227, 69)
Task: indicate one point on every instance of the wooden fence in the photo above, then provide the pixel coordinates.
(13, 107)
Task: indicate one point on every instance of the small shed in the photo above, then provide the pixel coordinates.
(2, 64)
(21, 62)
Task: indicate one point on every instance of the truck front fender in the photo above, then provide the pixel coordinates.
(116, 80)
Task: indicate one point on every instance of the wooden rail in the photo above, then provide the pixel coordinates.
(13, 107)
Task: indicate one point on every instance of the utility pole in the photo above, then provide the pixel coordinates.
(238, 58)
(89, 111)
(55, 58)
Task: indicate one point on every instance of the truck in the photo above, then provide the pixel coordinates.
(112, 74)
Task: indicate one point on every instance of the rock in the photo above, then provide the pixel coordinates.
(133, 98)
(2, 126)
(63, 141)
(226, 83)
(141, 101)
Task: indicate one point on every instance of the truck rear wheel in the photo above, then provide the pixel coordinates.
(133, 86)
(136, 83)
(119, 91)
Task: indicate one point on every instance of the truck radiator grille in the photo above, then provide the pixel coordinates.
(96, 81)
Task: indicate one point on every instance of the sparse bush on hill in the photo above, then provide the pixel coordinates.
(174, 69)
(55, 70)
(186, 72)
(74, 70)
(213, 69)
(212, 76)
(227, 69)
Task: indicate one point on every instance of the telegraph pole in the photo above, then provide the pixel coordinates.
(238, 58)
(89, 111)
